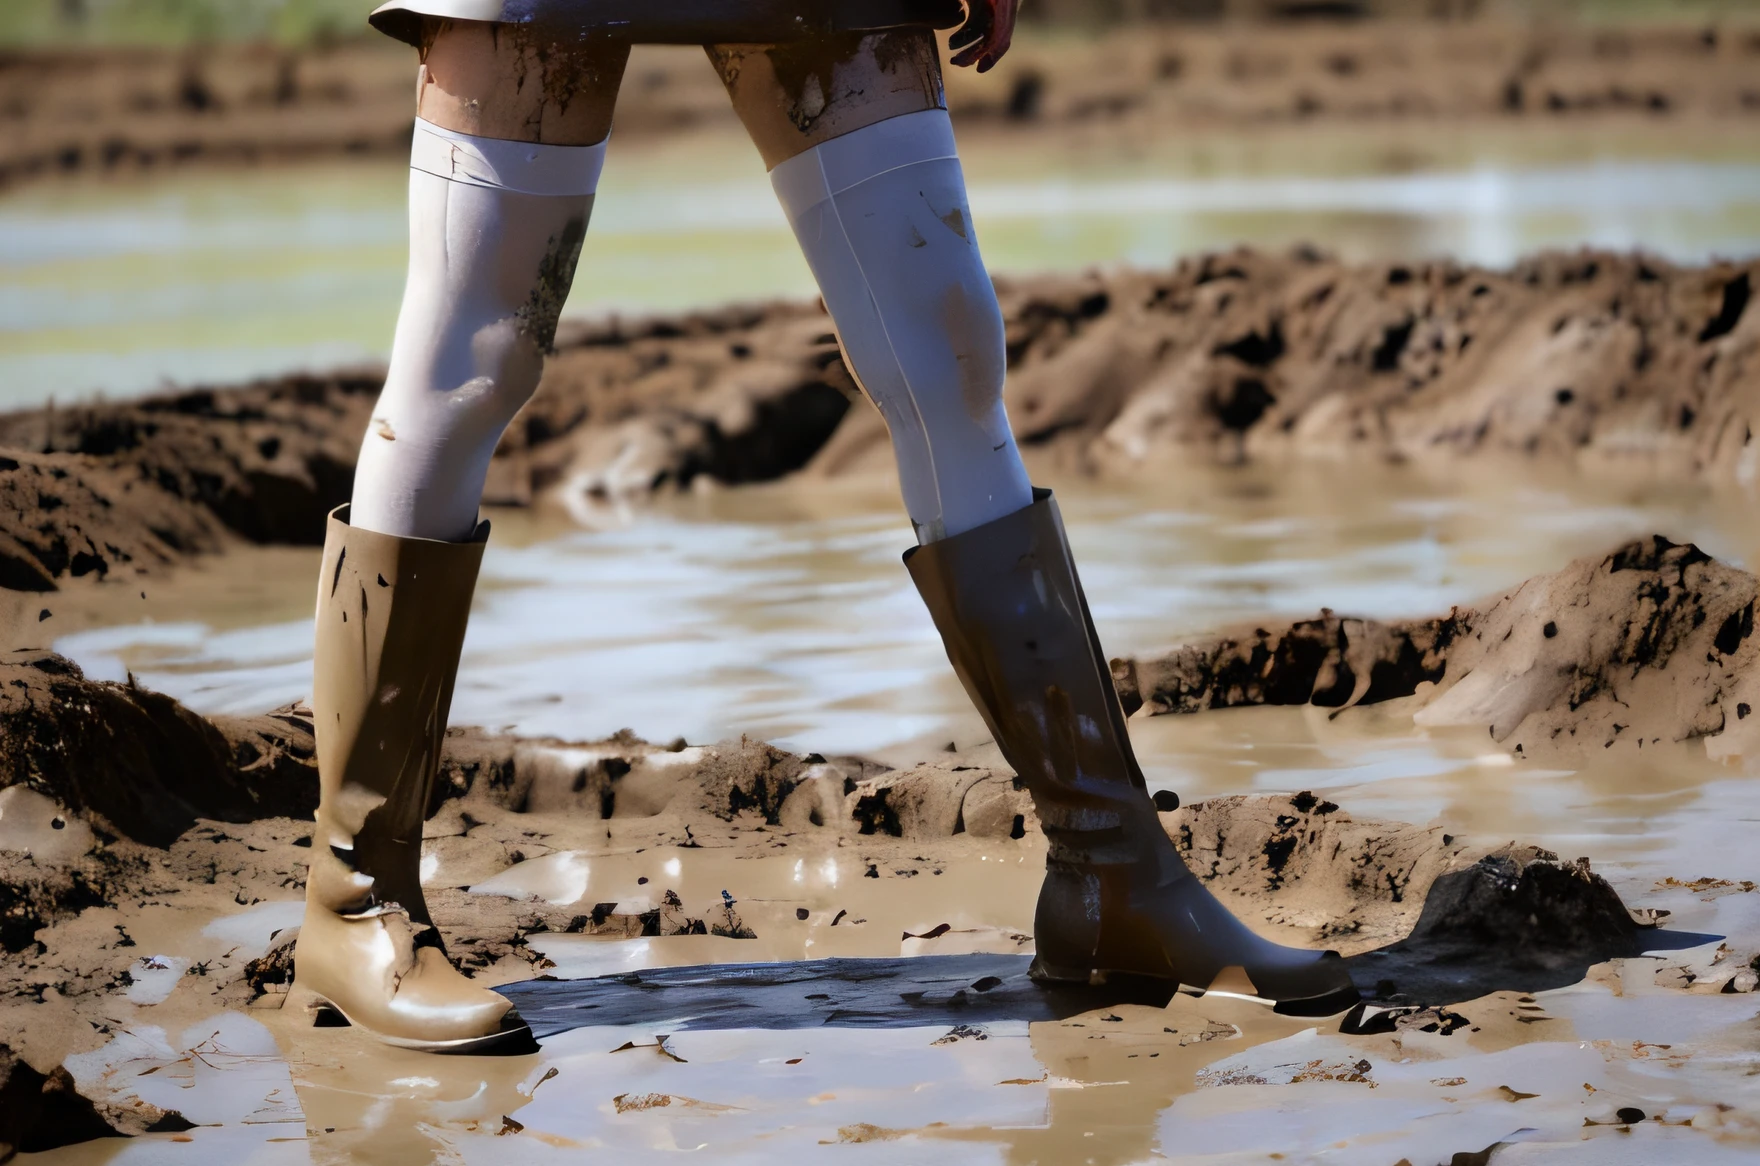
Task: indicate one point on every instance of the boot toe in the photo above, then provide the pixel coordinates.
(1312, 984)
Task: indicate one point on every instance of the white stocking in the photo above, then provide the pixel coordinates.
(495, 229)
(882, 217)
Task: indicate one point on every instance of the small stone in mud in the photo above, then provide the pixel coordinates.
(801, 913)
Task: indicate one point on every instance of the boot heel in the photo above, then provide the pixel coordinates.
(1066, 925)
(322, 1014)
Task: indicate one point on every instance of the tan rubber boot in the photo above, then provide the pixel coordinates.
(391, 620)
(1117, 896)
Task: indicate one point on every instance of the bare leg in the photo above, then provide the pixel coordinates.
(507, 81)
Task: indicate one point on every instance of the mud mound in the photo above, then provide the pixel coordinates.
(43, 1111)
(136, 763)
(1651, 643)
(124, 489)
(126, 111)
(1425, 918)
(1600, 359)
(1612, 362)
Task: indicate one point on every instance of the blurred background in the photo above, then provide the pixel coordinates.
(204, 191)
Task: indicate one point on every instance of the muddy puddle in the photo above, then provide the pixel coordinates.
(782, 612)
(215, 277)
(1618, 1068)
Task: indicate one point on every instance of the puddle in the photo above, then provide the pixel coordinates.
(216, 277)
(783, 612)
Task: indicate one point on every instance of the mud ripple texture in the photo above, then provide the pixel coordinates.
(190, 817)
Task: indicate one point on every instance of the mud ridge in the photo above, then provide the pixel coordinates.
(1610, 362)
(1648, 645)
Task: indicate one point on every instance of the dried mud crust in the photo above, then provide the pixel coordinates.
(1613, 362)
(126, 111)
(1648, 645)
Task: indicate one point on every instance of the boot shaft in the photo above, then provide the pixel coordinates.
(391, 619)
(1010, 608)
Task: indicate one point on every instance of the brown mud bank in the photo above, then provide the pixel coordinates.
(127, 111)
(1609, 362)
(1650, 645)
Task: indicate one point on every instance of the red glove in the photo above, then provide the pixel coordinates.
(985, 35)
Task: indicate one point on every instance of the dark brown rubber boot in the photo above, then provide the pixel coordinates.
(1117, 899)
(391, 621)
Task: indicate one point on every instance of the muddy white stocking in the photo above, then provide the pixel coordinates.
(495, 231)
(881, 215)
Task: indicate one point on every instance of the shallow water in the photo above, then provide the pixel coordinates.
(215, 276)
(783, 612)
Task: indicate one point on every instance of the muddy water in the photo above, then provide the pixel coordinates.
(211, 277)
(784, 612)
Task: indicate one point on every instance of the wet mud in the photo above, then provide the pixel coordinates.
(1613, 363)
(128, 111)
(1649, 645)
(154, 861)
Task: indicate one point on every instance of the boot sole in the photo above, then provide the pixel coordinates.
(513, 1039)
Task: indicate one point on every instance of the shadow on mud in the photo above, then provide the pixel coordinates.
(1517, 920)
(1441, 967)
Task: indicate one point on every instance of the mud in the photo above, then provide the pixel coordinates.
(117, 492)
(126, 111)
(154, 862)
(1651, 644)
(1612, 363)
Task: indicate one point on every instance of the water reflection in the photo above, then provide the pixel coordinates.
(783, 612)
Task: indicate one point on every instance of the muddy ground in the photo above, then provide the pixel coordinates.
(79, 112)
(130, 826)
(1611, 363)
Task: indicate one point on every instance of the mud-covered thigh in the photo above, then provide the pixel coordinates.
(797, 95)
(519, 83)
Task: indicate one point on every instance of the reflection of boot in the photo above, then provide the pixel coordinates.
(391, 620)
(1117, 896)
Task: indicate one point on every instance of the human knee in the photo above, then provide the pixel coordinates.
(972, 320)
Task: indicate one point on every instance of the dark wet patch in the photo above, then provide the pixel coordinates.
(1514, 921)
(543, 309)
